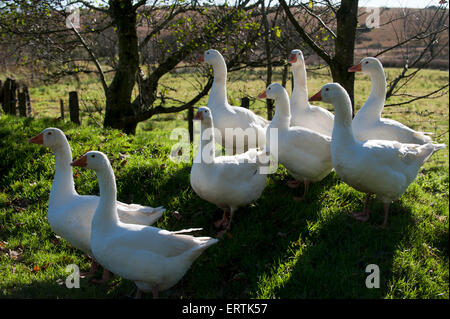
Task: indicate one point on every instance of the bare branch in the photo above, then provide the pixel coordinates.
(94, 59)
(419, 97)
(318, 19)
(320, 51)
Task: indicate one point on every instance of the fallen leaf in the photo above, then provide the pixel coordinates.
(123, 163)
(35, 268)
(163, 166)
(13, 269)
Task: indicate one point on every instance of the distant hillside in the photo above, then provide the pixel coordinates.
(372, 41)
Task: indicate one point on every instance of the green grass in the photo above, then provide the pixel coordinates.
(277, 248)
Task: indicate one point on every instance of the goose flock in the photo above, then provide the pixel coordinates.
(373, 155)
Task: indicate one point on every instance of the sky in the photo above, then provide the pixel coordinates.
(398, 3)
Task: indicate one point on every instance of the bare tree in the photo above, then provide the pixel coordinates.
(170, 23)
(342, 29)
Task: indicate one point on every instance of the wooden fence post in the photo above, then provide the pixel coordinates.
(9, 96)
(245, 102)
(22, 103)
(27, 100)
(74, 108)
(61, 108)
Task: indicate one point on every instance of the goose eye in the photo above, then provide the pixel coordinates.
(92, 156)
(367, 62)
(326, 89)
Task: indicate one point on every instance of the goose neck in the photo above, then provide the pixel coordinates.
(375, 102)
(106, 210)
(63, 185)
(206, 153)
(218, 94)
(342, 129)
(282, 115)
(300, 92)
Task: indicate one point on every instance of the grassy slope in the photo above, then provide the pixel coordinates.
(277, 248)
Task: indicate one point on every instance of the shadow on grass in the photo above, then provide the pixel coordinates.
(333, 264)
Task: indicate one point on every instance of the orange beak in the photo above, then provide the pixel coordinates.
(262, 95)
(316, 97)
(198, 116)
(201, 58)
(38, 139)
(80, 162)
(355, 68)
(292, 58)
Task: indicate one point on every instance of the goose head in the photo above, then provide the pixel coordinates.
(50, 137)
(211, 57)
(273, 92)
(296, 57)
(367, 65)
(93, 160)
(328, 93)
(204, 115)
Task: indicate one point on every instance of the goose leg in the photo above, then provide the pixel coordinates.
(298, 199)
(223, 221)
(386, 213)
(365, 213)
(221, 233)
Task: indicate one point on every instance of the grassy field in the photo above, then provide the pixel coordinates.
(277, 248)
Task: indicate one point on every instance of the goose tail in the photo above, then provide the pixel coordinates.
(426, 150)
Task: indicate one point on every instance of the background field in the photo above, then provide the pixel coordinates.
(277, 248)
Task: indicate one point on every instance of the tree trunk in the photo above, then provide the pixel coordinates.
(267, 44)
(347, 21)
(119, 93)
(22, 98)
(9, 96)
(74, 107)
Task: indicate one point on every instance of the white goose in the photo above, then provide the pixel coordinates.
(226, 181)
(70, 214)
(381, 167)
(155, 259)
(305, 153)
(231, 117)
(302, 113)
(368, 123)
